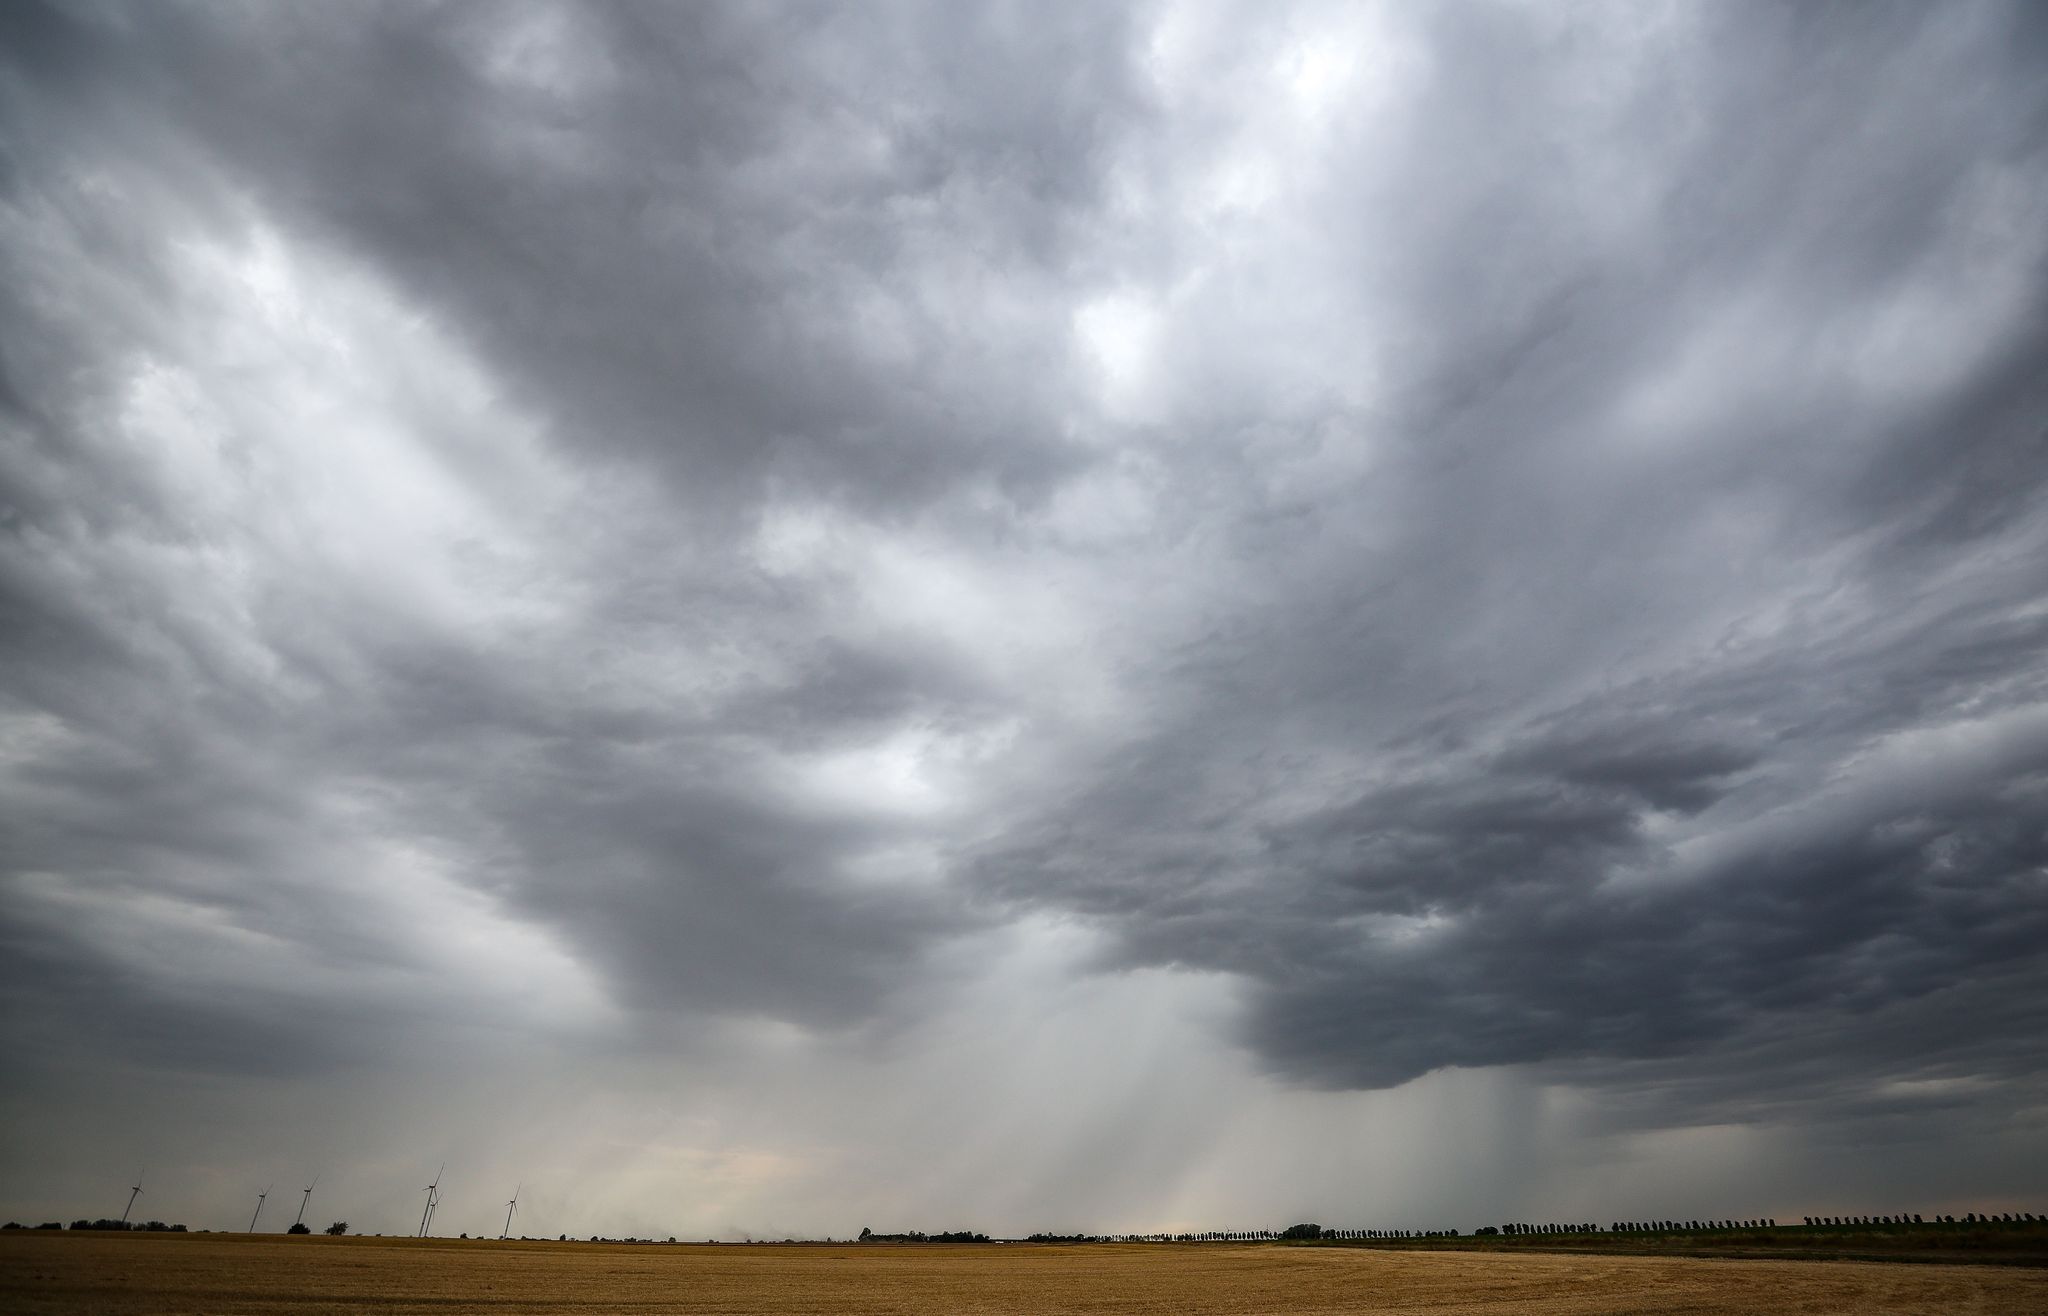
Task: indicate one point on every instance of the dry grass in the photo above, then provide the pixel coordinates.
(229, 1275)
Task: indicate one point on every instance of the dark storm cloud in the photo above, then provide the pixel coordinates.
(712, 244)
(670, 260)
(1554, 583)
(1771, 588)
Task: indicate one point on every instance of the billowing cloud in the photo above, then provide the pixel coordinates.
(1428, 557)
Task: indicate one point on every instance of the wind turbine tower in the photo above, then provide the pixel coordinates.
(308, 1190)
(259, 1207)
(433, 1191)
(510, 1207)
(133, 1193)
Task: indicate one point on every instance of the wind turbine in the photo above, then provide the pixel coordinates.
(308, 1190)
(133, 1193)
(259, 1207)
(510, 1207)
(433, 1191)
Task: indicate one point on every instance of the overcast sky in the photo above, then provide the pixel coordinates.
(773, 618)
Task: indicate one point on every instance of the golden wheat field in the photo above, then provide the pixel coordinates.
(66, 1273)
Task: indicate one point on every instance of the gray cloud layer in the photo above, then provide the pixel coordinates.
(1514, 536)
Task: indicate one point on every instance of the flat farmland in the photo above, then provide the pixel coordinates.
(230, 1274)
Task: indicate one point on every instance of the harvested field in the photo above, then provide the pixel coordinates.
(230, 1275)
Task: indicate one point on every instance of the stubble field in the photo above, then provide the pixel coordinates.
(230, 1275)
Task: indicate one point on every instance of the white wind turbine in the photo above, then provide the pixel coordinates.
(511, 1207)
(259, 1207)
(308, 1191)
(133, 1193)
(433, 1191)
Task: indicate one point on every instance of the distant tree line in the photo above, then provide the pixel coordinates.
(1901, 1220)
(1294, 1233)
(917, 1236)
(1307, 1232)
(151, 1226)
(1310, 1232)
(1895, 1221)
